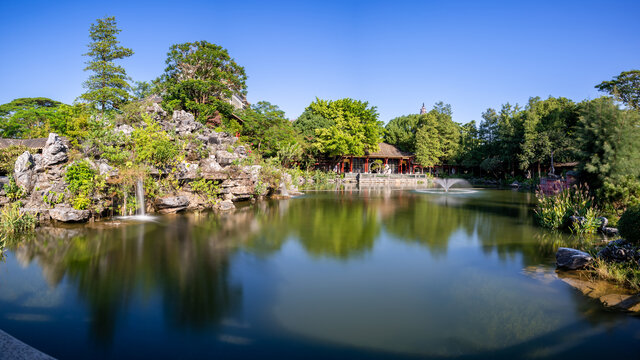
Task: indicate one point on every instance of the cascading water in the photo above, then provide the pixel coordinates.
(140, 198)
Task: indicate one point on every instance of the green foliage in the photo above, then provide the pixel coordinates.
(53, 198)
(624, 87)
(143, 90)
(200, 77)
(355, 128)
(553, 210)
(266, 127)
(8, 157)
(108, 86)
(13, 191)
(152, 145)
(37, 117)
(629, 224)
(13, 220)
(401, 131)
(81, 183)
(307, 124)
(438, 137)
(625, 274)
(288, 154)
(208, 189)
(609, 156)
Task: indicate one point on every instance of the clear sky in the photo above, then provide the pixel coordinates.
(393, 54)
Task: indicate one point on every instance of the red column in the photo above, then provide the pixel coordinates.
(341, 165)
(366, 165)
(351, 164)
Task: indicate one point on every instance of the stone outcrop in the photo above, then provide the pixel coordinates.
(572, 259)
(185, 123)
(608, 294)
(54, 152)
(171, 204)
(620, 251)
(65, 213)
(207, 154)
(24, 170)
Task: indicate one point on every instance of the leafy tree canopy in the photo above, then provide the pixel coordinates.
(355, 127)
(401, 131)
(200, 77)
(610, 158)
(266, 126)
(624, 87)
(438, 138)
(108, 86)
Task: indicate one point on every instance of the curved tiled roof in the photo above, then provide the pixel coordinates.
(389, 151)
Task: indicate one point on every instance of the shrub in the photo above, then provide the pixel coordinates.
(152, 145)
(81, 180)
(13, 221)
(629, 224)
(208, 189)
(13, 191)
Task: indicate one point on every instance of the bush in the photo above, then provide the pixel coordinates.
(13, 191)
(629, 224)
(208, 189)
(81, 180)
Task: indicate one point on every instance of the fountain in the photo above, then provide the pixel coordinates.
(446, 186)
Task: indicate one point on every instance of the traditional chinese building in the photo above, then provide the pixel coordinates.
(388, 159)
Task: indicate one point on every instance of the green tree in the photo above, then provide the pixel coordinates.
(200, 78)
(401, 131)
(608, 152)
(108, 87)
(548, 129)
(266, 126)
(429, 147)
(307, 124)
(355, 127)
(624, 87)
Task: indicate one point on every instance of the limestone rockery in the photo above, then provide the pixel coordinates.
(42, 174)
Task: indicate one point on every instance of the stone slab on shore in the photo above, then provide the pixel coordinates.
(12, 348)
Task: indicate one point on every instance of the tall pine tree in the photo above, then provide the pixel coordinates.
(108, 87)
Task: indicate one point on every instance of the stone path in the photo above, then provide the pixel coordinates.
(14, 349)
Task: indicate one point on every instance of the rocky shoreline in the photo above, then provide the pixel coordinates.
(208, 156)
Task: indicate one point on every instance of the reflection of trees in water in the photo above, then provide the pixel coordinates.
(108, 267)
(339, 228)
(420, 220)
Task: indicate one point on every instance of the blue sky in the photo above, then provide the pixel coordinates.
(393, 54)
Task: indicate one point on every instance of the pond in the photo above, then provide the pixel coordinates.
(372, 273)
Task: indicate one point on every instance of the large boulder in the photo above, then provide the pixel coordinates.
(24, 170)
(54, 152)
(156, 111)
(226, 205)
(185, 123)
(620, 251)
(187, 171)
(572, 259)
(65, 213)
(124, 129)
(226, 158)
(171, 204)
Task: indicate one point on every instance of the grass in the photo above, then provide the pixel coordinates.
(624, 274)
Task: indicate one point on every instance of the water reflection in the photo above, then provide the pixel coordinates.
(379, 269)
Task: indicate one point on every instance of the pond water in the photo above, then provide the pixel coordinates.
(375, 273)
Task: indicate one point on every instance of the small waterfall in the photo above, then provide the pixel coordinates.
(140, 198)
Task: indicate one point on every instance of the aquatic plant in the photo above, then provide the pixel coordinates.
(554, 210)
(13, 220)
